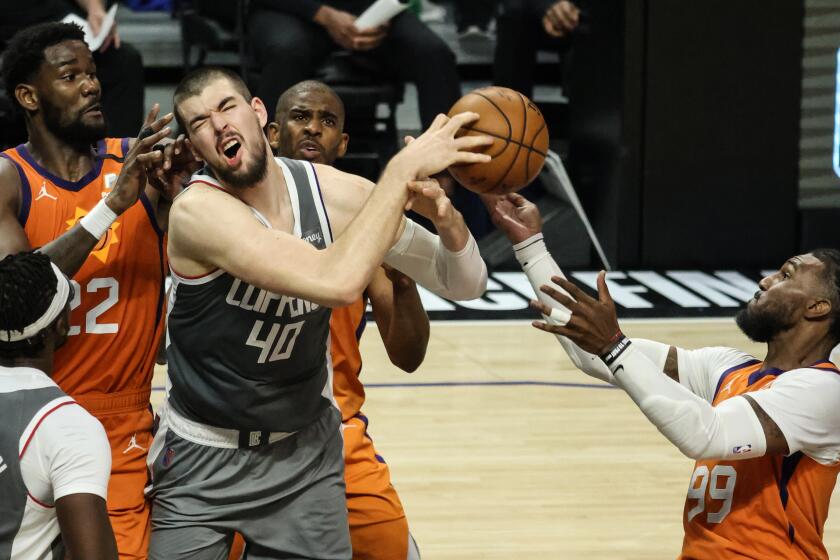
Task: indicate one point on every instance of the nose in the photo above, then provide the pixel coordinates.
(91, 86)
(313, 127)
(767, 282)
(217, 121)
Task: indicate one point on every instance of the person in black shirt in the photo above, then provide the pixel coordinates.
(290, 38)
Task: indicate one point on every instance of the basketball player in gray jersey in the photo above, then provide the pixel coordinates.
(260, 248)
(54, 456)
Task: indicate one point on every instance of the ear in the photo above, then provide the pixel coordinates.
(818, 309)
(27, 97)
(259, 108)
(342, 148)
(274, 136)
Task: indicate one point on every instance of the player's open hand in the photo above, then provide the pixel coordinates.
(593, 324)
(132, 178)
(516, 216)
(428, 199)
(171, 165)
(439, 147)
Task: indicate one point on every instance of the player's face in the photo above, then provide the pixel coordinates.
(783, 298)
(227, 133)
(313, 128)
(67, 93)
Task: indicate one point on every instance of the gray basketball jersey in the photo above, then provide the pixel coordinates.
(244, 358)
(19, 408)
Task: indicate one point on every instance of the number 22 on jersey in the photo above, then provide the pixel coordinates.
(91, 324)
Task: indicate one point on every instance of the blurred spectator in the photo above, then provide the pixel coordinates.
(522, 28)
(118, 65)
(291, 38)
(472, 19)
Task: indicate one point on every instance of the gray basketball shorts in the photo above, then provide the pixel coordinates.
(286, 498)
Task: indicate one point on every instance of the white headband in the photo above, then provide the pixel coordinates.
(62, 292)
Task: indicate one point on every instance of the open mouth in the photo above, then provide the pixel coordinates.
(310, 150)
(231, 150)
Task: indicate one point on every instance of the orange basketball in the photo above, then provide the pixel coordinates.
(520, 146)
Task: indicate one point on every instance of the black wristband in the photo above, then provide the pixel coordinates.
(617, 350)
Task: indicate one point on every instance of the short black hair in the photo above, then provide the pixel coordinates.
(25, 52)
(194, 83)
(285, 100)
(831, 260)
(27, 288)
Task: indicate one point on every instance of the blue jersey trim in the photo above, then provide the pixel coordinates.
(74, 186)
(25, 193)
(324, 206)
(731, 370)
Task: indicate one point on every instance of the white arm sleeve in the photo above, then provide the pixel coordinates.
(700, 431)
(803, 403)
(421, 255)
(701, 370)
(75, 452)
(539, 267)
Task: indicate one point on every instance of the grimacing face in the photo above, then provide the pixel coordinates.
(783, 299)
(226, 131)
(312, 128)
(66, 90)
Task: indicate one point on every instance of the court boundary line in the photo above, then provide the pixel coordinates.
(640, 320)
(497, 383)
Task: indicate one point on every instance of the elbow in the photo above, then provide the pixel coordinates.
(343, 295)
(408, 358)
(465, 291)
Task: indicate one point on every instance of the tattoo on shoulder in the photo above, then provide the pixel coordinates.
(776, 441)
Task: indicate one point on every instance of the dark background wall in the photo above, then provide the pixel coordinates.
(684, 129)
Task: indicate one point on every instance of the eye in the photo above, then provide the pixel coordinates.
(785, 275)
(68, 77)
(300, 118)
(329, 122)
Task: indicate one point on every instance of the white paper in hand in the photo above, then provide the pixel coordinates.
(94, 42)
(378, 13)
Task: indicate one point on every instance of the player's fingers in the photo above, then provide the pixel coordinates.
(147, 143)
(517, 199)
(603, 290)
(439, 122)
(153, 113)
(419, 186)
(572, 289)
(459, 120)
(469, 141)
(554, 329)
(470, 157)
(408, 140)
(560, 297)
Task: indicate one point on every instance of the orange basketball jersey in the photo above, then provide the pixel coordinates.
(767, 507)
(117, 311)
(346, 327)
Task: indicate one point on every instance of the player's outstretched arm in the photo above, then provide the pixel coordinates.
(85, 527)
(400, 317)
(730, 430)
(70, 250)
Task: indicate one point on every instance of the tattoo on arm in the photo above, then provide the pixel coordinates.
(776, 442)
(672, 364)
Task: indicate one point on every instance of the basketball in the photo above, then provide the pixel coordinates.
(520, 146)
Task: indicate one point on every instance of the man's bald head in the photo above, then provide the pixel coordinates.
(309, 124)
(304, 89)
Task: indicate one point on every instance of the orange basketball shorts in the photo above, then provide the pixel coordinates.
(378, 527)
(128, 423)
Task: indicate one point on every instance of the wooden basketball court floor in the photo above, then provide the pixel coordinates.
(500, 449)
